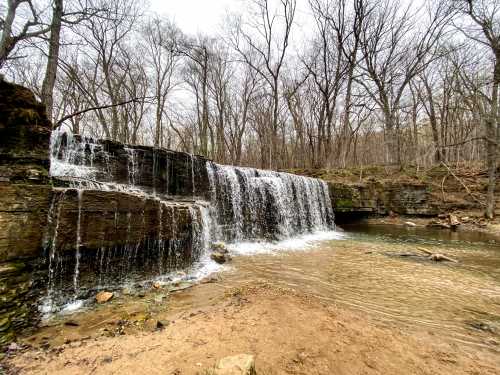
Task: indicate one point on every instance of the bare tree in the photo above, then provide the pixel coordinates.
(485, 30)
(264, 40)
(162, 39)
(33, 27)
(394, 52)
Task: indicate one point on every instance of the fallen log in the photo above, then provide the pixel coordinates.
(437, 257)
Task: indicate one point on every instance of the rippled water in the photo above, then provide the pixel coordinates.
(365, 270)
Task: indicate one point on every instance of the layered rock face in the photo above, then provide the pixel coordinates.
(97, 239)
(25, 193)
(381, 199)
(109, 165)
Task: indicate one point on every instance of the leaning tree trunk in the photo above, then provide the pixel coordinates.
(53, 59)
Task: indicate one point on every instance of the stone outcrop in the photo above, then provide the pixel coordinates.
(161, 172)
(25, 193)
(113, 236)
(374, 197)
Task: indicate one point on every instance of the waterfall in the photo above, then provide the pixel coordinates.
(78, 242)
(253, 204)
(152, 212)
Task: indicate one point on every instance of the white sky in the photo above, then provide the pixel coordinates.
(194, 16)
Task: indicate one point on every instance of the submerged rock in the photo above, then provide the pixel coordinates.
(481, 326)
(103, 297)
(242, 364)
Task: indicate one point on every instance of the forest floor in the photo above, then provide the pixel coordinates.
(287, 332)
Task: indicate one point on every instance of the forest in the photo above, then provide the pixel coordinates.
(360, 82)
(243, 187)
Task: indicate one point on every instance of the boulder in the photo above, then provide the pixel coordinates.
(242, 364)
(219, 247)
(103, 297)
(218, 257)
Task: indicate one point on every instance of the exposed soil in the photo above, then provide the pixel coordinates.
(289, 333)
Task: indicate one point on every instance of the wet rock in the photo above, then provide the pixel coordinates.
(180, 286)
(103, 297)
(242, 364)
(210, 279)
(219, 257)
(156, 285)
(220, 247)
(410, 224)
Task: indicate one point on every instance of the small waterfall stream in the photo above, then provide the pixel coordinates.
(161, 211)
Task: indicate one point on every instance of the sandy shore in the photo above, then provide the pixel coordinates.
(287, 332)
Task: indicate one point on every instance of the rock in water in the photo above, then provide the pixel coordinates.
(103, 297)
(219, 247)
(218, 257)
(410, 224)
(242, 364)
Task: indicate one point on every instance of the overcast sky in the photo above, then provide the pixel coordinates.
(194, 16)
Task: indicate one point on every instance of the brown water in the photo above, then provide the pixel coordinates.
(366, 271)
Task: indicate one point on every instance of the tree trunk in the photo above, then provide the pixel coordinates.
(53, 59)
(6, 41)
(491, 139)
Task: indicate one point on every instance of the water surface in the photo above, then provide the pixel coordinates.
(379, 269)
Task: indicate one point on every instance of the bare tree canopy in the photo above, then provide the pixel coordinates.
(284, 84)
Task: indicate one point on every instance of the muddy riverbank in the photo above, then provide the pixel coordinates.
(288, 332)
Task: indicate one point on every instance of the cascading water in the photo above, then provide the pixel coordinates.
(253, 204)
(180, 205)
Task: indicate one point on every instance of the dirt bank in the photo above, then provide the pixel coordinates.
(288, 333)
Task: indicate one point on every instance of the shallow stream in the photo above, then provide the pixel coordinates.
(381, 269)
(377, 269)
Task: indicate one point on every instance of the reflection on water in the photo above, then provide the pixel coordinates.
(365, 270)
